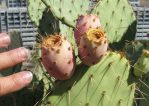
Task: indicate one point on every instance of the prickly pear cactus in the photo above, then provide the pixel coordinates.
(58, 57)
(61, 9)
(84, 23)
(101, 85)
(35, 10)
(141, 67)
(144, 88)
(116, 17)
(48, 24)
(92, 46)
(133, 51)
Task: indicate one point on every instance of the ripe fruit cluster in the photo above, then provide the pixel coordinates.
(57, 53)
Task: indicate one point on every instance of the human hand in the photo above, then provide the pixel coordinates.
(8, 59)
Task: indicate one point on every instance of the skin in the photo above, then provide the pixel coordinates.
(17, 81)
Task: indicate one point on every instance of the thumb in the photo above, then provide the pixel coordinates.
(14, 82)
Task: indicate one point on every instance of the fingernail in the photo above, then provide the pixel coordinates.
(5, 39)
(27, 76)
(23, 53)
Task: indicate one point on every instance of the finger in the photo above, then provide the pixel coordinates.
(13, 57)
(14, 82)
(4, 40)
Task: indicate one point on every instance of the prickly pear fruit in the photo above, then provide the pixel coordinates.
(141, 67)
(57, 57)
(84, 22)
(93, 45)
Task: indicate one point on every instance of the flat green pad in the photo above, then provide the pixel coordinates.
(99, 85)
(67, 10)
(116, 16)
(35, 10)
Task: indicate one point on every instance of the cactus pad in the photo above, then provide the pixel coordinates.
(144, 88)
(116, 17)
(35, 10)
(142, 65)
(61, 9)
(133, 51)
(99, 85)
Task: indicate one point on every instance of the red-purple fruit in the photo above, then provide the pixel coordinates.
(93, 45)
(57, 57)
(84, 22)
